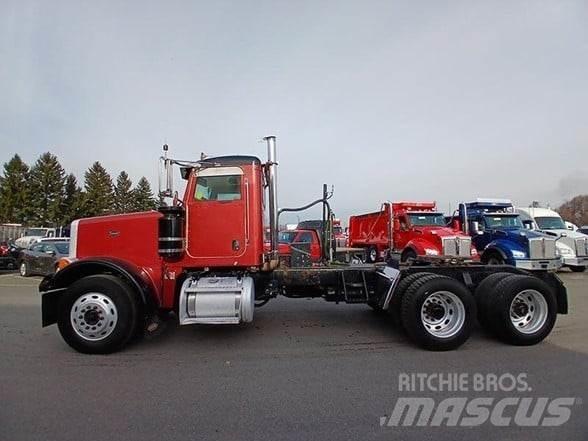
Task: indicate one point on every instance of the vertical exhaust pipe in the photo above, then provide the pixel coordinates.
(272, 176)
(464, 218)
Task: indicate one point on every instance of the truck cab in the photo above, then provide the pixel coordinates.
(498, 233)
(306, 243)
(571, 246)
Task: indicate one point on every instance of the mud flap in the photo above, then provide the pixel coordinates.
(49, 306)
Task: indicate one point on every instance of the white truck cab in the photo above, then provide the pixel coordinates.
(571, 246)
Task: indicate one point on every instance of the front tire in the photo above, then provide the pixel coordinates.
(522, 310)
(438, 313)
(98, 314)
(494, 259)
(578, 269)
(408, 255)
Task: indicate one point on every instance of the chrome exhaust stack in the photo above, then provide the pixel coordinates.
(272, 180)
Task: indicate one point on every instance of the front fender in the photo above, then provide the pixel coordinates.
(505, 249)
(51, 287)
(419, 246)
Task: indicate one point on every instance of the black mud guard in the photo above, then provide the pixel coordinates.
(52, 286)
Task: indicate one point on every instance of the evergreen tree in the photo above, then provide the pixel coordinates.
(72, 202)
(123, 194)
(46, 185)
(13, 191)
(99, 197)
(143, 196)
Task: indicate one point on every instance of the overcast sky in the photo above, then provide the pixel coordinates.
(385, 100)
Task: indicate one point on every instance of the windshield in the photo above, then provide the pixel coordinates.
(62, 248)
(36, 232)
(429, 219)
(502, 221)
(286, 236)
(550, 223)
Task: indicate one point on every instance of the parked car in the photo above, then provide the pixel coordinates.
(583, 229)
(8, 255)
(41, 258)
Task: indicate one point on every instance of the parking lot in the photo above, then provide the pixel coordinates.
(304, 369)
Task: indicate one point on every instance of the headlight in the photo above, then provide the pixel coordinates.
(431, 252)
(563, 250)
(518, 254)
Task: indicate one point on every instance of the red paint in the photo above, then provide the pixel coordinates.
(219, 234)
(393, 221)
(300, 237)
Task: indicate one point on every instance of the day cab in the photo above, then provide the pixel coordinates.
(499, 235)
(408, 229)
(571, 246)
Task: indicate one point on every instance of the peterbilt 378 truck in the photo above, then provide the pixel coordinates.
(500, 237)
(202, 259)
(408, 230)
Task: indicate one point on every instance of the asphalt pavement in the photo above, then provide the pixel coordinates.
(304, 369)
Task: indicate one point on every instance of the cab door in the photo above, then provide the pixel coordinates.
(217, 224)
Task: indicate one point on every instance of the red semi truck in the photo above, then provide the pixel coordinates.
(408, 230)
(202, 260)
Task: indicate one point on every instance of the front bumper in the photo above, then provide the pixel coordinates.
(538, 264)
(575, 261)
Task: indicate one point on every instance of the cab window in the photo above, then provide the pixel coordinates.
(304, 238)
(218, 188)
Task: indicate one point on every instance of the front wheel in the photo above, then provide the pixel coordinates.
(438, 312)
(98, 314)
(578, 269)
(494, 259)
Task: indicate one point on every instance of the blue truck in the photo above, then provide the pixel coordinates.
(501, 238)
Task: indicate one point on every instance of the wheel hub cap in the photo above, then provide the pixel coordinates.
(528, 311)
(93, 316)
(443, 314)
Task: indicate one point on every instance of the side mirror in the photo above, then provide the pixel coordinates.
(477, 227)
(528, 224)
(564, 235)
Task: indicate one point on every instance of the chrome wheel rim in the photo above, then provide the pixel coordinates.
(528, 311)
(373, 255)
(93, 316)
(23, 269)
(443, 314)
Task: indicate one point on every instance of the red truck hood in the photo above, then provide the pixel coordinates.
(132, 237)
(439, 232)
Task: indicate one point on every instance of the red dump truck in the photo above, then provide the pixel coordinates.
(408, 230)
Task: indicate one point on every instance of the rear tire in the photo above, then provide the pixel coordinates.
(578, 269)
(438, 313)
(23, 269)
(522, 310)
(99, 314)
(372, 254)
(484, 296)
(396, 301)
